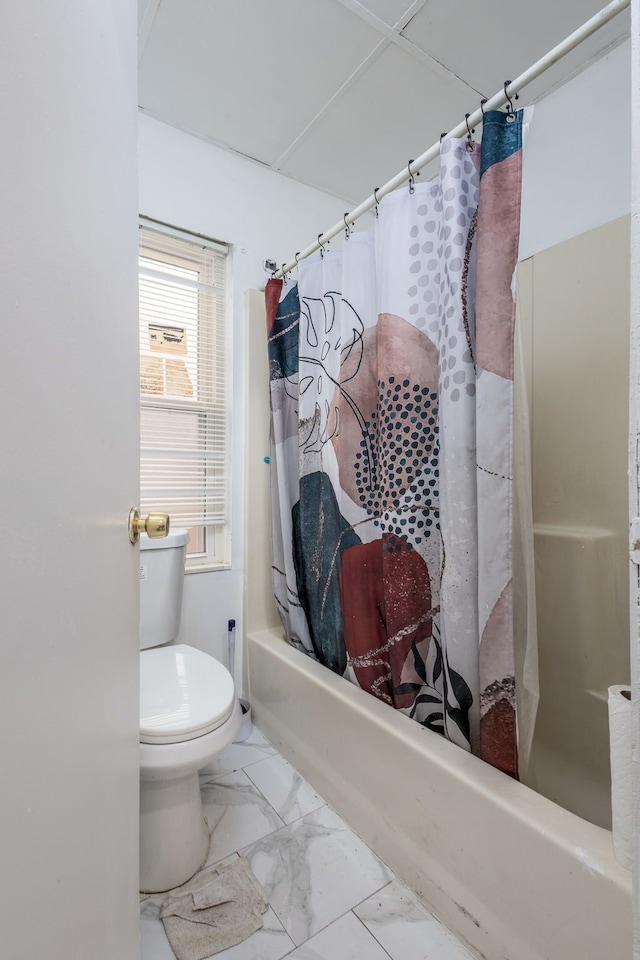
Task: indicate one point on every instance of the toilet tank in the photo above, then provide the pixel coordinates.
(161, 582)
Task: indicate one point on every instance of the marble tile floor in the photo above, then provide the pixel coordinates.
(330, 897)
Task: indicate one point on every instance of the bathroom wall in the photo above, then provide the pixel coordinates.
(577, 166)
(69, 750)
(192, 184)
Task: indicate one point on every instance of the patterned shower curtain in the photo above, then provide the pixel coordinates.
(391, 370)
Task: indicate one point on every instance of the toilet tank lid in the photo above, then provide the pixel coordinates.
(175, 538)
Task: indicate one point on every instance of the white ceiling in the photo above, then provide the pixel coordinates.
(340, 93)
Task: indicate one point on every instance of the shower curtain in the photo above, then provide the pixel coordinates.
(391, 378)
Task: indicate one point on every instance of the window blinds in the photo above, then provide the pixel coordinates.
(183, 378)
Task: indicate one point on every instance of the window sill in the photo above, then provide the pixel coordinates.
(206, 567)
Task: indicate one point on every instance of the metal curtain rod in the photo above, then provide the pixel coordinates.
(506, 94)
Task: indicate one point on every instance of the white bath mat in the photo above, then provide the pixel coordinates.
(224, 906)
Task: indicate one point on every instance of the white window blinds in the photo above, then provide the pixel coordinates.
(183, 379)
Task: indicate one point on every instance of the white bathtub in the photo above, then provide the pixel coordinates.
(514, 875)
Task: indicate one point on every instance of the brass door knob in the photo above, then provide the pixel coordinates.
(155, 525)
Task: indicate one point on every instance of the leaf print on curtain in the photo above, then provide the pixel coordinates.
(400, 534)
(283, 315)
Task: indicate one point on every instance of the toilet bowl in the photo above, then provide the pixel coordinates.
(188, 715)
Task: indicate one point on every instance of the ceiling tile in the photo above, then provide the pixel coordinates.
(249, 75)
(393, 113)
(390, 11)
(485, 44)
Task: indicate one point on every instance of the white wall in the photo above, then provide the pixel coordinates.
(69, 747)
(577, 168)
(194, 185)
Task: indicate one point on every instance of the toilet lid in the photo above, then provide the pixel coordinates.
(184, 693)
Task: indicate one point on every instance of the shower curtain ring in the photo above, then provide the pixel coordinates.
(482, 103)
(469, 132)
(321, 247)
(443, 135)
(347, 231)
(295, 257)
(375, 197)
(511, 111)
(284, 274)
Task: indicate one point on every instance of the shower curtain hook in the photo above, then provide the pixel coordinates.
(295, 257)
(284, 275)
(511, 111)
(443, 135)
(469, 132)
(411, 186)
(347, 231)
(375, 197)
(482, 103)
(321, 247)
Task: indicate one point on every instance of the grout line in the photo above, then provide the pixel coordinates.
(303, 783)
(370, 932)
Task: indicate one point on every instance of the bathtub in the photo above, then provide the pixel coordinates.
(512, 874)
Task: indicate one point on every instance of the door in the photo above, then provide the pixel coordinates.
(68, 476)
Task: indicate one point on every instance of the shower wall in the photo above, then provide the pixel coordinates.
(574, 312)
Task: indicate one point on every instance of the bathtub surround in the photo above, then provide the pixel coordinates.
(567, 296)
(391, 371)
(329, 896)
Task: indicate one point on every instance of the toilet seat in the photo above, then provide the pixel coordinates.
(184, 694)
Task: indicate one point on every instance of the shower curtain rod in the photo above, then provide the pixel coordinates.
(505, 95)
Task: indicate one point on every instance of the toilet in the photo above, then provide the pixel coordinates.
(189, 713)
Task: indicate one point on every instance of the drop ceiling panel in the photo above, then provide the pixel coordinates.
(395, 111)
(490, 42)
(249, 75)
(390, 11)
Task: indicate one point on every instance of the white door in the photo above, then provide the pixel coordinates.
(68, 476)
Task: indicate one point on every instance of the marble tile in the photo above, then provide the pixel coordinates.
(289, 795)
(270, 943)
(239, 755)
(344, 939)
(313, 871)
(237, 814)
(153, 940)
(406, 930)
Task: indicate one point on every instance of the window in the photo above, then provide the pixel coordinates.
(183, 387)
